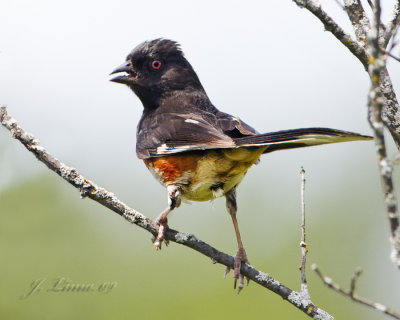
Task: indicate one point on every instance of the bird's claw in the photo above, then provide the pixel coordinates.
(238, 259)
(163, 227)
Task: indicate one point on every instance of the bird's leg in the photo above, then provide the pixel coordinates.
(241, 254)
(174, 201)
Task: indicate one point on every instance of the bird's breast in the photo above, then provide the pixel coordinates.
(204, 174)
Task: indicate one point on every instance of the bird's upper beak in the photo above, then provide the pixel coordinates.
(125, 79)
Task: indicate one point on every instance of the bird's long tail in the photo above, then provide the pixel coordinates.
(298, 138)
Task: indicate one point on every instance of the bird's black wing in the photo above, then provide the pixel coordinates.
(162, 134)
(168, 133)
(233, 126)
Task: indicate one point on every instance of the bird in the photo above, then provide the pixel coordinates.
(196, 151)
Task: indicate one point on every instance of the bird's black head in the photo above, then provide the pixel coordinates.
(156, 69)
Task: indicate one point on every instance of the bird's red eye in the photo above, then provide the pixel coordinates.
(156, 64)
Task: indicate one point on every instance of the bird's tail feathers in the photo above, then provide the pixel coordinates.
(298, 138)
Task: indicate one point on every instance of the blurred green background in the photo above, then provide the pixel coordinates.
(48, 233)
(271, 65)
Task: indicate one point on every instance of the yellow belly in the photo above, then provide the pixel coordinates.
(205, 175)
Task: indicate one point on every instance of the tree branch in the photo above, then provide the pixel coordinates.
(358, 19)
(391, 109)
(89, 189)
(376, 70)
(392, 24)
(330, 25)
(383, 107)
(362, 26)
(350, 293)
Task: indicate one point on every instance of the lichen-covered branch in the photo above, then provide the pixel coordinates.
(383, 107)
(358, 19)
(89, 189)
(376, 70)
(391, 108)
(350, 293)
(362, 26)
(330, 25)
(392, 24)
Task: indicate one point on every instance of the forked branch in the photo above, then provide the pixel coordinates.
(351, 292)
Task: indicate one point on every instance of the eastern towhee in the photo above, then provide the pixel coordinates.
(196, 151)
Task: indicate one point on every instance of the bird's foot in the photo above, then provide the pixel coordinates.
(162, 229)
(238, 259)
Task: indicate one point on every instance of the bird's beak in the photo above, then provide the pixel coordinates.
(125, 79)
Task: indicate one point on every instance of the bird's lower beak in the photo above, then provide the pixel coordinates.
(125, 79)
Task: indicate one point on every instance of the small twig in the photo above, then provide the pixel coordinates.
(303, 244)
(392, 24)
(393, 57)
(353, 280)
(350, 293)
(394, 40)
(109, 200)
(394, 44)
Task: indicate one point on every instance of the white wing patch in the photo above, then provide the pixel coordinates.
(192, 121)
(164, 149)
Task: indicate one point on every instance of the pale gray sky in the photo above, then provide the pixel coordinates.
(270, 64)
